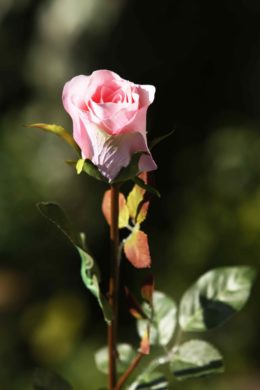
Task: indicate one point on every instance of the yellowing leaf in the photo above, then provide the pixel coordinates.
(136, 249)
(59, 131)
(134, 200)
(123, 210)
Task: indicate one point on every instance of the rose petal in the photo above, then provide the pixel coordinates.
(74, 92)
(136, 249)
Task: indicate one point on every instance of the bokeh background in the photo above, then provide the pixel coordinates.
(204, 59)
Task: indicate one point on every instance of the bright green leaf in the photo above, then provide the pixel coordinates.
(215, 297)
(59, 131)
(47, 380)
(196, 358)
(89, 271)
(126, 354)
(164, 319)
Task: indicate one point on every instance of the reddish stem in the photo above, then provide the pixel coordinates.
(129, 371)
(113, 286)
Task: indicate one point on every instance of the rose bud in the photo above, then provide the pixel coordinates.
(109, 120)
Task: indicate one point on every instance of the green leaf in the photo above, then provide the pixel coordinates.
(89, 270)
(126, 354)
(146, 187)
(59, 131)
(163, 321)
(153, 381)
(131, 170)
(196, 358)
(46, 380)
(157, 140)
(215, 297)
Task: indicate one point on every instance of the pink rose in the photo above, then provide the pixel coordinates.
(109, 120)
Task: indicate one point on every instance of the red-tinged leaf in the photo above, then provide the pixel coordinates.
(145, 342)
(136, 249)
(147, 289)
(134, 199)
(135, 309)
(123, 210)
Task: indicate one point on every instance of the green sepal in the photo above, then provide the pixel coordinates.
(44, 379)
(131, 170)
(59, 131)
(88, 167)
(158, 140)
(146, 187)
(215, 297)
(196, 358)
(89, 270)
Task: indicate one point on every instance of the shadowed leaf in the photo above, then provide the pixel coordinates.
(147, 289)
(47, 380)
(134, 307)
(146, 187)
(89, 271)
(215, 297)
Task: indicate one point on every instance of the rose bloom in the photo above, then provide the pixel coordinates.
(109, 120)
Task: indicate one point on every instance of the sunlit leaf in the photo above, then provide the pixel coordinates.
(163, 321)
(215, 297)
(59, 131)
(126, 353)
(123, 217)
(142, 213)
(89, 271)
(196, 358)
(134, 199)
(136, 249)
(47, 380)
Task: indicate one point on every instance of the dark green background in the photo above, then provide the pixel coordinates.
(203, 57)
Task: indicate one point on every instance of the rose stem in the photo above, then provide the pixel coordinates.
(129, 371)
(113, 285)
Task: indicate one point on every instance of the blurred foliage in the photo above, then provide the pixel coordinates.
(204, 59)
